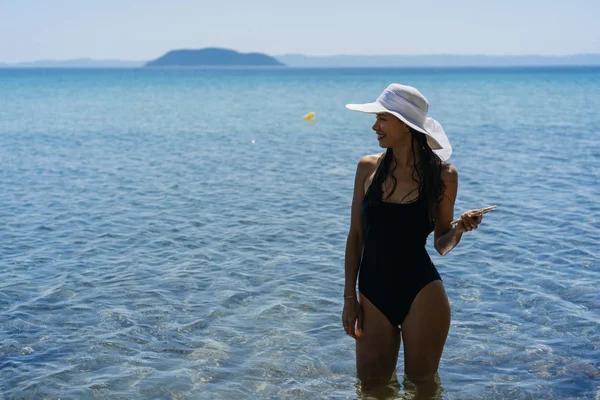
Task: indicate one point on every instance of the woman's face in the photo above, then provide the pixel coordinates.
(391, 132)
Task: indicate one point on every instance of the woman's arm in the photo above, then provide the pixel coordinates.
(355, 240)
(446, 235)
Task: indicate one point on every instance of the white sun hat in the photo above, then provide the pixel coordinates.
(411, 107)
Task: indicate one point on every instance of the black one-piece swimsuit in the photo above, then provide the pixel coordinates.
(395, 265)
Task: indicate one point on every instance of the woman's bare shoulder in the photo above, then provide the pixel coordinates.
(449, 173)
(367, 164)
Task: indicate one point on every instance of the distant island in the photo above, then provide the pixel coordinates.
(213, 57)
(224, 58)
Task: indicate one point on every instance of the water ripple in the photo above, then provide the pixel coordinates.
(151, 249)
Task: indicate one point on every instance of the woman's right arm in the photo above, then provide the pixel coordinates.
(352, 313)
(355, 240)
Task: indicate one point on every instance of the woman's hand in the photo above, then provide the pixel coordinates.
(469, 220)
(352, 317)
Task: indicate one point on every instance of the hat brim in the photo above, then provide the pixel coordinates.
(436, 138)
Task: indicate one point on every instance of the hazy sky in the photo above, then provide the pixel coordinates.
(143, 30)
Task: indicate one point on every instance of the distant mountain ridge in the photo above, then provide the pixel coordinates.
(437, 60)
(213, 57)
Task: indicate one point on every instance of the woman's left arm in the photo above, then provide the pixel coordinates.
(446, 234)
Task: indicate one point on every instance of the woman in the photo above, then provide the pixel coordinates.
(400, 197)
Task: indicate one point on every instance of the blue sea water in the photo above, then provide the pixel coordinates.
(176, 234)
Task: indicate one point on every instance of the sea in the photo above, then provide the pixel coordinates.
(180, 233)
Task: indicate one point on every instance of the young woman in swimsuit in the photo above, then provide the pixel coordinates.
(400, 197)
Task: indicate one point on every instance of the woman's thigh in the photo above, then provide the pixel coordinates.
(378, 346)
(424, 331)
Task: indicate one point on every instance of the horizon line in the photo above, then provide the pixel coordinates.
(312, 56)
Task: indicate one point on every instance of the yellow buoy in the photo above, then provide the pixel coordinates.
(309, 116)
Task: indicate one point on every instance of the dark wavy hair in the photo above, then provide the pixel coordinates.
(427, 172)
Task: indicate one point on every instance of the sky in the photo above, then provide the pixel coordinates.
(143, 30)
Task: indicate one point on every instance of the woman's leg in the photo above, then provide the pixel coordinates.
(377, 348)
(424, 332)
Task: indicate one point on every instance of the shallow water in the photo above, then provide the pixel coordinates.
(151, 249)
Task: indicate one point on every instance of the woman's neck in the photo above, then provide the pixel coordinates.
(405, 158)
